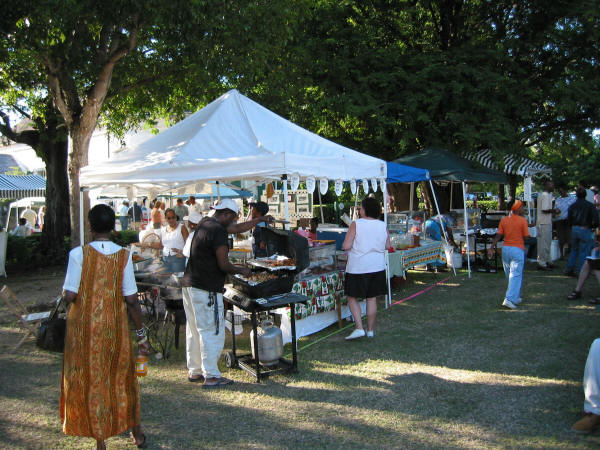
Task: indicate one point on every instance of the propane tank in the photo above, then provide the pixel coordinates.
(270, 343)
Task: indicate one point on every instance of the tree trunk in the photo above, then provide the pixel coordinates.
(512, 186)
(57, 224)
(400, 196)
(501, 197)
(78, 158)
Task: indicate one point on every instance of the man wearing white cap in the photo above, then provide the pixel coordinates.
(203, 282)
(192, 221)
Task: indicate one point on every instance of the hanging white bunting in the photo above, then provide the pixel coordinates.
(374, 184)
(323, 185)
(353, 186)
(382, 184)
(294, 182)
(310, 184)
(339, 185)
(365, 184)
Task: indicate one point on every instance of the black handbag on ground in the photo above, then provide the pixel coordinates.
(51, 333)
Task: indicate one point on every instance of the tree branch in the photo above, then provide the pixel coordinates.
(29, 137)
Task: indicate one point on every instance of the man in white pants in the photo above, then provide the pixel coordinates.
(591, 389)
(203, 282)
(544, 226)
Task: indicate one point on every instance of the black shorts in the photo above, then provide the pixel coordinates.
(365, 285)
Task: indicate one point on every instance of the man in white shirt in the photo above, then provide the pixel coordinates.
(194, 206)
(29, 215)
(544, 226)
(124, 215)
(23, 229)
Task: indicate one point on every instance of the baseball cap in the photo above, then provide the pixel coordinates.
(194, 217)
(261, 207)
(227, 203)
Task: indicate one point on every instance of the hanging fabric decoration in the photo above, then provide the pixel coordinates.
(382, 184)
(374, 184)
(294, 182)
(365, 184)
(323, 185)
(310, 184)
(270, 190)
(181, 191)
(353, 186)
(338, 187)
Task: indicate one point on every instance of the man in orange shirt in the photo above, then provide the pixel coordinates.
(514, 230)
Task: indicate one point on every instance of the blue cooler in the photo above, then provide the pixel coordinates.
(337, 234)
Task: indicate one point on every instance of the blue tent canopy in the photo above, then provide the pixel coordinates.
(226, 192)
(399, 173)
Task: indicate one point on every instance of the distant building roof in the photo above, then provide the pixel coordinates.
(8, 163)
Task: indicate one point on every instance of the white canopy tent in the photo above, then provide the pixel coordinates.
(233, 138)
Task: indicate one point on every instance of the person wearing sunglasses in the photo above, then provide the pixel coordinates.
(173, 236)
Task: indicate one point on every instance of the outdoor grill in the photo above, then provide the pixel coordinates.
(164, 288)
(261, 297)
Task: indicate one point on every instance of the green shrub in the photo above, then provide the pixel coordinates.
(26, 253)
(124, 238)
(484, 205)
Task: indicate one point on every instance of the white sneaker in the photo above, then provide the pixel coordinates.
(355, 334)
(370, 334)
(508, 304)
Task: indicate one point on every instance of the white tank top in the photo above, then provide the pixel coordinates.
(367, 254)
(172, 239)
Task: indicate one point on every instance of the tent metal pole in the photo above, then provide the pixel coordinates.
(285, 201)
(219, 192)
(451, 194)
(81, 228)
(355, 215)
(320, 205)
(437, 207)
(412, 194)
(388, 300)
(466, 226)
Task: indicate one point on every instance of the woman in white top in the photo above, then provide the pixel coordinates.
(41, 216)
(174, 236)
(366, 242)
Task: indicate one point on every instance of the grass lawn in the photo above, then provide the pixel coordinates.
(448, 368)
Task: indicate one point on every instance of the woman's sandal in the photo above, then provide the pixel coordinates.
(574, 295)
(143, 444)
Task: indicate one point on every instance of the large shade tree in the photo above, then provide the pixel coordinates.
(142, 57)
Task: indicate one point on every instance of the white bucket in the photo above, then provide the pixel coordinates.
(554, 250)
(453, 259)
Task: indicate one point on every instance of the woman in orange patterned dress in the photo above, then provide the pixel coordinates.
(99, 392)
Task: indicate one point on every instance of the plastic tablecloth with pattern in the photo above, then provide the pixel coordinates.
(427, 253)
(323, 292)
